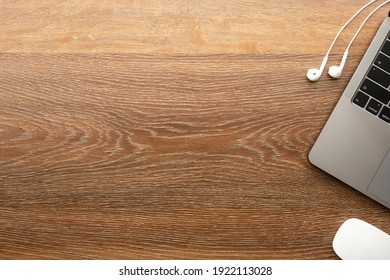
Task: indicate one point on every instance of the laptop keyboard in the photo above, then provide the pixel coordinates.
(374, 94)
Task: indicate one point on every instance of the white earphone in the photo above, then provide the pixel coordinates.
(335, 71)
(313, 74)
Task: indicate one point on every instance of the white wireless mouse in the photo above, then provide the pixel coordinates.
(358, 240)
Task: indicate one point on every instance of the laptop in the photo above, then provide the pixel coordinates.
(354, 145)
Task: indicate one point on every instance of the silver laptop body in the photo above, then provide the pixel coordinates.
(354, 145)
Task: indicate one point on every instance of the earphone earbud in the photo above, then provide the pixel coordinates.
(335, 71)
(313, 74)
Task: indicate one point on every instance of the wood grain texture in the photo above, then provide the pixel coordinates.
(180, 26)
(133, 149)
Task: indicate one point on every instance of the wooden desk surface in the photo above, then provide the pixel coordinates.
(171, 129)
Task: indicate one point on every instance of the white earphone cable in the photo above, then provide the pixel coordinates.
(335, 71)
(314, 74)
(364, 22)
(345, 25)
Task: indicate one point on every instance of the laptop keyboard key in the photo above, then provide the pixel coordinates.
(361, 99)
(383, 62)
(376, 91)
(374, 107)
(379, 76)
(386, 48)
(385, 114)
